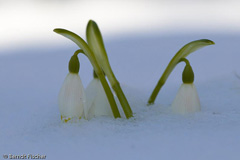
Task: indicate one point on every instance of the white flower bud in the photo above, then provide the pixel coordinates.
(187, 100)
(97, 102)
(71, 98)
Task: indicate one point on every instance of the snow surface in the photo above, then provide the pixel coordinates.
(31, 77)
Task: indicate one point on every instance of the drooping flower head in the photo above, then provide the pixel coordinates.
(186, 100)
(71, 97)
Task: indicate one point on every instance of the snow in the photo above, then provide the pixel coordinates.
(32, 75)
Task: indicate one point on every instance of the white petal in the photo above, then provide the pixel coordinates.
(97, 102)
(187, 100)
(71, 97)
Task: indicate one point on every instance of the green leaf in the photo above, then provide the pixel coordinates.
(182, 53)
(95, 41)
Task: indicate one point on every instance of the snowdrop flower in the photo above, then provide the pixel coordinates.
(71, 98)
(97, 102)
(187, 100)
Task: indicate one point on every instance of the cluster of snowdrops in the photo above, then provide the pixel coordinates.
(99, 99)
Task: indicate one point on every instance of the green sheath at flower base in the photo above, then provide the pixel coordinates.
(188, 74)
(95, 42)
(88, 52)
(74, 65)
(182, 53)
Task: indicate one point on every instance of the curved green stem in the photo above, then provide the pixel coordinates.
(182, 53)
(83, 45)
(79, 51)
(184, 60)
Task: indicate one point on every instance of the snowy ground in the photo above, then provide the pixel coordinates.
(32, 76)
(34, 60)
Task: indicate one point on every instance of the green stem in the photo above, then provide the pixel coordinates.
(182, 53)
(82, 44)
(110, 96)
(120, 94)
(123, 100)
(184, 60)
(155, 91)
(79, 51)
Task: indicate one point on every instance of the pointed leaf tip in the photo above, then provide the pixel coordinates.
(212, 42)
(207, 41)
(58, 30)
(93, 24)
(55, 30)
(91, 21)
